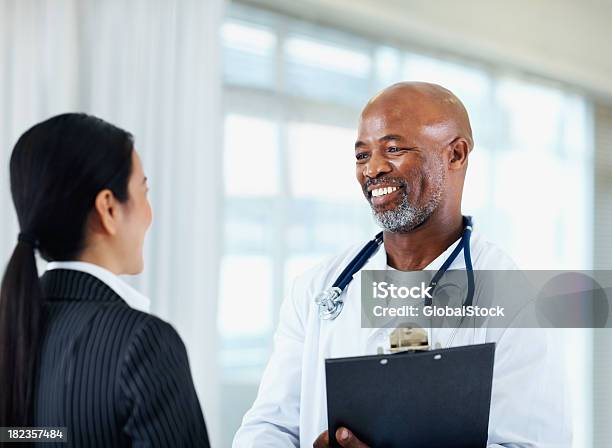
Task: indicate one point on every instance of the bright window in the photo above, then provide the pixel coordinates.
(291, 197)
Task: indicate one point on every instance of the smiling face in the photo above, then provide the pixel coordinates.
(404, 153)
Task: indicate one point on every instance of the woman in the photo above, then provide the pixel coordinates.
(73, 353)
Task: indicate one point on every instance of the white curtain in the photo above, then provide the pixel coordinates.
(151, 67)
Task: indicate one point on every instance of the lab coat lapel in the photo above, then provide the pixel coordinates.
(351, 316)
(377, 263)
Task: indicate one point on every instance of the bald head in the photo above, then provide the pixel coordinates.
(432, 108)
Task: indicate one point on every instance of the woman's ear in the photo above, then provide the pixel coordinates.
(106, 211)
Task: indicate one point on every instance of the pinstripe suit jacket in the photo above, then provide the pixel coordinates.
(114, 376)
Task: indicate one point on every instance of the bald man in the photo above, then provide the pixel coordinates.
(411, 157)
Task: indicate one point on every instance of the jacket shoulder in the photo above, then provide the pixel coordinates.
(121, 323)
(141, 321)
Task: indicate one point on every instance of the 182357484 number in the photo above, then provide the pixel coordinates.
(14, 434)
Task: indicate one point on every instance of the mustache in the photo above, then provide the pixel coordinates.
(388, 181)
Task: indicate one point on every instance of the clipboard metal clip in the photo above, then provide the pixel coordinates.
(408, 339)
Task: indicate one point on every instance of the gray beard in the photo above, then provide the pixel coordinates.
(406, 217)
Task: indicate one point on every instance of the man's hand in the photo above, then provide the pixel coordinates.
(345, 437)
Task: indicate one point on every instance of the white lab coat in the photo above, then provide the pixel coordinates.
(528, 406)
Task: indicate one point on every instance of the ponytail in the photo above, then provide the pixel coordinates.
(21, 323)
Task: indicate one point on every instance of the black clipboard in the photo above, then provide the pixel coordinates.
(438, 398)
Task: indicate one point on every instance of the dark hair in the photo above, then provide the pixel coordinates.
(57, 169)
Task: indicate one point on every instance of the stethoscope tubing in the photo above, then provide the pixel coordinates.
(359, 260)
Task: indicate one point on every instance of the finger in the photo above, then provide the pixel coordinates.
(348, 440)
(322, 441)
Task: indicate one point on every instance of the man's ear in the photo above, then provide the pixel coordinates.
(459, 151)
(105, 209)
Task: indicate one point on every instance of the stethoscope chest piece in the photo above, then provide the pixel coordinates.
(330, 303)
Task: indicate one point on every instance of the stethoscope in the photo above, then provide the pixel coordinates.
(330, 300)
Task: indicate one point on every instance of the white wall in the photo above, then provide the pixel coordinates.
(563, 40)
